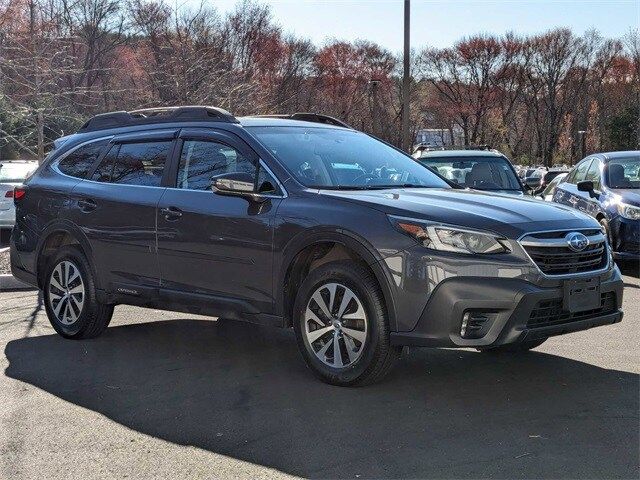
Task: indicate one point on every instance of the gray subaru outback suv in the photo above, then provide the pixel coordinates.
(303, 224)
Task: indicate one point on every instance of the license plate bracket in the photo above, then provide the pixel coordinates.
(581, 295)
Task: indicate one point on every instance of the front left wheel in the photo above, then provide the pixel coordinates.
(70, 296)
(342, 326)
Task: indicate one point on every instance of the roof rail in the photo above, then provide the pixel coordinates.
(309, 117)
(157, 115)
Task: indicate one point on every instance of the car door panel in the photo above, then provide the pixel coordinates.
(119, 219)
(216, 246)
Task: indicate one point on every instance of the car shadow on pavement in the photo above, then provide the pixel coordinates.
(242, 391)
(630, 268)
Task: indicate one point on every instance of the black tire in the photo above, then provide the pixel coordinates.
(377, 356)
(516, 347)
(94, 317)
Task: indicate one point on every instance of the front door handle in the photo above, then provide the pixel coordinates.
(87, 205)
(171, 213)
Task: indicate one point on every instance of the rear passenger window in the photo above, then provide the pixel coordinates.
(134, 164)
(105, 169)
(200, 161)
(79, 162)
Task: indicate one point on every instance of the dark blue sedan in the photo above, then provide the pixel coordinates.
(607, 187)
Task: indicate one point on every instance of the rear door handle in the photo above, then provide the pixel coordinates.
(87, 205)
(171, 213)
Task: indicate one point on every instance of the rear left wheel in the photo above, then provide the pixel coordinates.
(70, 296)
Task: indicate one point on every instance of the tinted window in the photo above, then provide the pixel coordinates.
(79, 162)
(105, 169)
(266, 183)
(343, 159)
(140, 163)
(201, 161)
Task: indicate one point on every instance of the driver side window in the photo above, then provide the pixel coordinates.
(202, 160)
(579, 171)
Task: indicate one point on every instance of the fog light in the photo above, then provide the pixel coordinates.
(476, 324)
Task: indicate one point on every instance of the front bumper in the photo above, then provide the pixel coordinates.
(516, 310)
(625, 235)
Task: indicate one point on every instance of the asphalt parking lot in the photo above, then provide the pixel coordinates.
(167, 395)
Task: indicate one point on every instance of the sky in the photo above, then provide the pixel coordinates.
(439, 23)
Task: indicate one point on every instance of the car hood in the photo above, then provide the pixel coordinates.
(632, 197)
(508, 215)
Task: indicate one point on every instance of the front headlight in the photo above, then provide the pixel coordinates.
(629, 211)
(449, 239)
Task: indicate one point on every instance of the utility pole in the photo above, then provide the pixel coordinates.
(582, 135)
(40, 122)
(406, 135)
(374, 100)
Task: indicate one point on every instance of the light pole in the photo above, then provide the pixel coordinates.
(406, 140)
(582, 136)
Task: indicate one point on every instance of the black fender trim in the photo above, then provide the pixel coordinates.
(349, 240)
(65, 226)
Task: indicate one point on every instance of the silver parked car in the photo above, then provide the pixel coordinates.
(12, 174)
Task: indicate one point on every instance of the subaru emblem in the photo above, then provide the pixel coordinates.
(576, 241)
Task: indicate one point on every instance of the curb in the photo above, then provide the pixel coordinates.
(9, 282)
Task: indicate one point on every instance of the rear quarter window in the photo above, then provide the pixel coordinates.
(78, 163)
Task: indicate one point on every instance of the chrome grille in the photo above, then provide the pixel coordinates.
(551, 253)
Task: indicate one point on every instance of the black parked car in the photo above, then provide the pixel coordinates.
(607, 187)
(303, 224)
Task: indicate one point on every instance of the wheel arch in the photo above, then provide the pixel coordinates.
(56, 235)
(308, 251)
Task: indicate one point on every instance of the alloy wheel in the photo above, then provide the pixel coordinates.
(335, 325)
(66, 292)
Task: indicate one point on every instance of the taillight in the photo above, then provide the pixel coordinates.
(19, 193)
(9, 194)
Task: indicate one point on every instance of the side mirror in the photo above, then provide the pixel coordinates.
(587, 186)
(234, 183)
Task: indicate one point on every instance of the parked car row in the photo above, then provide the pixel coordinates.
(308, 224)
(606, 186)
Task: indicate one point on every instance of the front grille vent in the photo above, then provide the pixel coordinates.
(550, 312)
(553, 256)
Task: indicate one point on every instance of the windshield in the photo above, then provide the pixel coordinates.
(343, 159)
(623, 173)
(481, 173)
(16, 172)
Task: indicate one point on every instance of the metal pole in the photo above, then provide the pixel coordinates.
(406, 138)
(583, 143)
